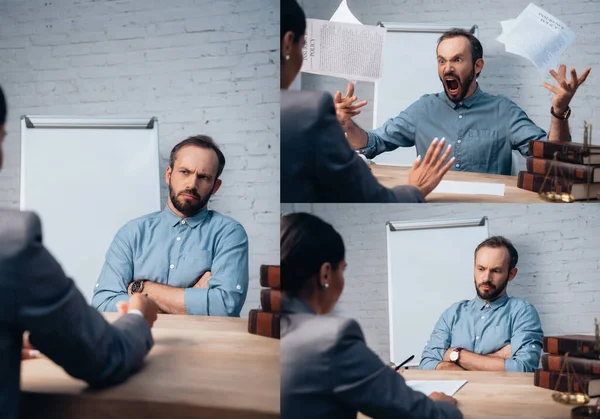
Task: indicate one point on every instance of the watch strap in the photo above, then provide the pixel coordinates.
(564, 116)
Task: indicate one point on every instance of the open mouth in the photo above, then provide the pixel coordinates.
(452, 85)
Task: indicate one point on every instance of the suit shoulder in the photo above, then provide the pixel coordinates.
(18, 230)
(312, 331)
(312, 104)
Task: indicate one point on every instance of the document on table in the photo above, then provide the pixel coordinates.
(449, 387)
(470, 188)
(346, 50)
(537, 36)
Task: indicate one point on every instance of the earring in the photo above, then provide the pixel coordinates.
(287, 57)
(326, 284)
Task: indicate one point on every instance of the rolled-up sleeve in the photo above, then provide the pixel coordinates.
(395, 132)
(116, 274)
(228, 285)
(438, 343)
(521, 128)
(526, 341)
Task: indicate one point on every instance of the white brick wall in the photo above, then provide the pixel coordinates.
(200, 66)
(559, 260)
(504, 73)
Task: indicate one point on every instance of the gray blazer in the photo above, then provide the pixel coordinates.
(327, 371)
(317, 163)
(35, 295)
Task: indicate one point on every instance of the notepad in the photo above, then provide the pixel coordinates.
(470, 188)
(449, 387)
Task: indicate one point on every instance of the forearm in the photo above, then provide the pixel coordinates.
(169, 299)
(445, 365)
(356, 136)
(474, 362)
(559, 130)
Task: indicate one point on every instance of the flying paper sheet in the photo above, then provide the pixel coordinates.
(344, 15)
(343, 50)
(470, 188)
(537, 36)
(427, 387)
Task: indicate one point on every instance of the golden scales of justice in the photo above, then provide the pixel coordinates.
(554, 194)
(577, 398)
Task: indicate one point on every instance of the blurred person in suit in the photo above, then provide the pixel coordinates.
(37, 297)
(317, 163)
(315, 345)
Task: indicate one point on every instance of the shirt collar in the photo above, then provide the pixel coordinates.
(468, 102)
(295, 305)
(174, 219)
(499, 302)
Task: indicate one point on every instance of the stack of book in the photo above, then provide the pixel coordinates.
(582, 371)
(570, 173)
(265, 321)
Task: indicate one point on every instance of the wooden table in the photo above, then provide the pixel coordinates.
(391, 176)
(504, 395)
(199, 367)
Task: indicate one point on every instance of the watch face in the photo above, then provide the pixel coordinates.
(453, 356)
(136, 286)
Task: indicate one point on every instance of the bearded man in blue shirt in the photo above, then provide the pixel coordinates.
(492, 332)
(187, 258)
(483, 129)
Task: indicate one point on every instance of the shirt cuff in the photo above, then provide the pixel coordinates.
(136, 312)
(370, 150)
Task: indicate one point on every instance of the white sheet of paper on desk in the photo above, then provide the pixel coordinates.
(449, 387)
(346, 50)
(344, 15)
(470, 188)
(537, 36)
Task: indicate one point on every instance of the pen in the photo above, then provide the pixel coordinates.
(410, 358)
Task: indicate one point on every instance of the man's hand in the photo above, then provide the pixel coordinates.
(345, 108)
(203, 280)
(28, 351)
(427, 173)
(442, 397)
(142, 303)
(565, 89)
(505, 352)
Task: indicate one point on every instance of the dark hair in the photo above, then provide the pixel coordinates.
(499, 241)
(2, 108)
(292, 19)
(307, 242)
(476, 47)
(202, 141)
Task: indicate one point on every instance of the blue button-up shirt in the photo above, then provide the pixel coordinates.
(164, 248)
(483, 130)
(484, 328)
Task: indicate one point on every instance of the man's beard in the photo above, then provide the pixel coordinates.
(188, 207)
(494, 292)
(464, 85)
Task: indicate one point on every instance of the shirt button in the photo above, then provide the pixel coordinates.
(457, 164)
(460, 103)
(482, 317)
(238, 287)
(477, 337)
(182, 221)
(459, 141)
(97, 285)
(178, 238)
(172, 266)
(459, 116)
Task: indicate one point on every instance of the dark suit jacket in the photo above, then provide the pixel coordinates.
(35, 295)
(317, 163)
(327, 371)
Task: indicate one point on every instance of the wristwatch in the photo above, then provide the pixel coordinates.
(455, 355)
(137, 287)
(563, 116)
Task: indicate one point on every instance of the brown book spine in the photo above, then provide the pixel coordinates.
(548, 379)
(551, 362)
(558, 345)
(534, 183)
(270, 277)
(566, 151)
(264, 324)
(270, 300)
(576, 172)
